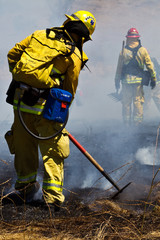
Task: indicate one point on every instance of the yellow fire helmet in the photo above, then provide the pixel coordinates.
(86, 17)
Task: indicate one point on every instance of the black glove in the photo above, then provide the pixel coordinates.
(30, 96)
(152, 84)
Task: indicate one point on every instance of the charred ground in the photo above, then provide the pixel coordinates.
(89, 212)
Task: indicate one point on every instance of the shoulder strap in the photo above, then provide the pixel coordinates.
(61, 34)
(134, 50)
(72, 48)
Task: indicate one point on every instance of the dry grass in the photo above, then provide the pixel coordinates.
(98, 220)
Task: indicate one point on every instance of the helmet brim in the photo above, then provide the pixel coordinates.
(137, 36)
(71, 18)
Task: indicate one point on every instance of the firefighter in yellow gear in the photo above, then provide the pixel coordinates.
(130, 72)
(62, 71)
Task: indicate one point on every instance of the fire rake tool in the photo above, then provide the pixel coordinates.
(94, 162)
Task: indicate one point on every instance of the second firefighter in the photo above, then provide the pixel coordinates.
(130, 72)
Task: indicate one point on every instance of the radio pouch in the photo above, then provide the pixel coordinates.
(57, 105)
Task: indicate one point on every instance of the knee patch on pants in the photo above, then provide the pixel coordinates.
(56, 148)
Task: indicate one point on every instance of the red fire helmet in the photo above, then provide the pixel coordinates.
(132, 33)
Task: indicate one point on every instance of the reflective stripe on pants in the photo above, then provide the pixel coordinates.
(53, 185)
(27, 179)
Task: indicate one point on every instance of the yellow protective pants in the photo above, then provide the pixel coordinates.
(132, 93)
(53, 151)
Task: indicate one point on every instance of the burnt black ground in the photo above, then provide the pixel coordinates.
(113, 147)
(109, 143)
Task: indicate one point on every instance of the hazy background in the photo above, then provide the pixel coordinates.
(114, 18)
(93, 116)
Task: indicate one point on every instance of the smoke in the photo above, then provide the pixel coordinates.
(95, 119)
(19, 20)
(146, 156)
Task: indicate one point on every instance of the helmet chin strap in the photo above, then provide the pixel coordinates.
(77, 29)
(75, 37)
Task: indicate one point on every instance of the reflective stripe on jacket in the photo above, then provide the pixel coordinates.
(36, 109)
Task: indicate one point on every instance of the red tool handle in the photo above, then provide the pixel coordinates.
(90, 158)
(93, 161)
(78, 145)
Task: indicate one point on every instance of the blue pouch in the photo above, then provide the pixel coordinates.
(57, 105)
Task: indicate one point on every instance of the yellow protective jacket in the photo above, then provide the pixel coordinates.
(54, 55)
(143, 60)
